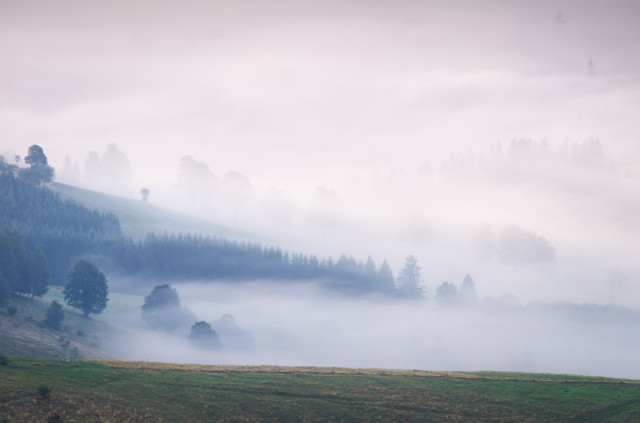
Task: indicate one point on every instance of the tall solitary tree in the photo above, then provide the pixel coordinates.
(39, 169)
(35, 156)
(145, 194)
(86, 288)
(409, 279)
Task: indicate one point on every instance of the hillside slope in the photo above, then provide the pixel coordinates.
(138, 218)
(23, 333)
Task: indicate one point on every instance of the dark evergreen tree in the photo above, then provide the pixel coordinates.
(4, 289)
(34, 273)
(409, 279)
(468, 290)
(87, 288)
(11, 256)
(54, 316)
(386, 282)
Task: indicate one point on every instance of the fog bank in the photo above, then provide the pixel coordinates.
(301, 325)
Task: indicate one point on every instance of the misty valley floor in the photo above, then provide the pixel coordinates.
(140, 391)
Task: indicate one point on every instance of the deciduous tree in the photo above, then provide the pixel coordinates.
(87, 288)
(203, 335)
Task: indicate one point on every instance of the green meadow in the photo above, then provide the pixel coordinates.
(37, 389)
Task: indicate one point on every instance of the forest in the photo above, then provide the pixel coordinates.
(64, 231)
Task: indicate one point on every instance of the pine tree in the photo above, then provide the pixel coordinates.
(54, 316)
(409, 280)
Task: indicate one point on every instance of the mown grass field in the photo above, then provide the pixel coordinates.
(83, 391)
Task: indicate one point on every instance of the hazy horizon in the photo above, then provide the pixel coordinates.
(474, 135)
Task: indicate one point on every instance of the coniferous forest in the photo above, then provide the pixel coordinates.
(64, 231)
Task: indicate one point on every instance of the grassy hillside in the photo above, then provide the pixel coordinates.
(137, 218)
(138, 391)
(23, 332)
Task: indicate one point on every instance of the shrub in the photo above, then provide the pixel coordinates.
(80, 333)
(54, 315)
(11, 309)
(54, 418)
(44, 391)
(3, 360)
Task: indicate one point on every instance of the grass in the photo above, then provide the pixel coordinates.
(138, 391)
(137, 218)
(24, 333)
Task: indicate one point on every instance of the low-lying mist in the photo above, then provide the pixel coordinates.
(267, 323)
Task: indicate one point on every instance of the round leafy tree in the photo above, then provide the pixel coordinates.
(35, 156)
(161, 309)
(39, 169)
(203, 335)
(161, 296)
(87, 288)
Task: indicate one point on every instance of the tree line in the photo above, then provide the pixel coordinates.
(56, 232)
(64, 231)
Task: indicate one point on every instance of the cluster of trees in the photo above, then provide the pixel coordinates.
(449, 294)
(86, 290)
(525, 156)
(62, 229)
(22, 271)
(25, 272)
(162, 311)
(38, 172)
(196, 257)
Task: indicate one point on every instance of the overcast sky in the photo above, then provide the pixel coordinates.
(353, 96)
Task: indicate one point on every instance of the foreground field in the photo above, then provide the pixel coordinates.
(81, 391)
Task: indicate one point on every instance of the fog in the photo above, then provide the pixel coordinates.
(303, 325)
(495, 138)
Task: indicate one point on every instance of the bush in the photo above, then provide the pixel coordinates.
(80, 333)
(54, 418)
(3, 360)
(11, 309)
(44, 391)
(54, 315)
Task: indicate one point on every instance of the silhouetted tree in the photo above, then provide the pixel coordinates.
(145, 194)
(203, 335)
(87, 288)
(409, 279)
(54, 315)
(34, 273)
(161, 309)
(447, 293)
(39, 169)
(35, 156)
(4, 289)
(468, 290)
(385, 277)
